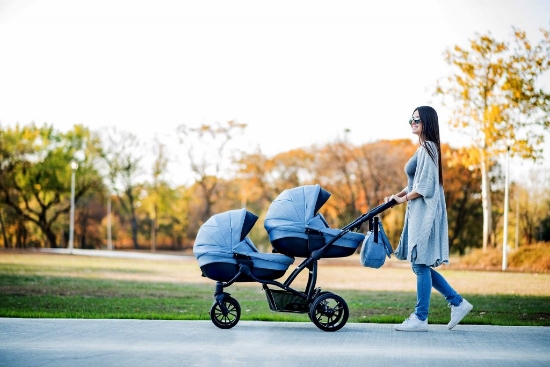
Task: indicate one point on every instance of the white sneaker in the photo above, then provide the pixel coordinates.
(413, 323)
(459, 312)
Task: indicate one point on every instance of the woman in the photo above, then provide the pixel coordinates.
(425, 241)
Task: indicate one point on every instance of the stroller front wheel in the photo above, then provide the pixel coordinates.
(227, 314)
(329, 312)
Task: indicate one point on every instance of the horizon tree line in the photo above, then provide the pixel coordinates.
(493, 91)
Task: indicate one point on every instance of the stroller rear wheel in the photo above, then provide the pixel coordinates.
(329, 312)
(227, 314)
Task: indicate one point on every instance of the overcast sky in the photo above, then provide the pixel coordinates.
(297, 72)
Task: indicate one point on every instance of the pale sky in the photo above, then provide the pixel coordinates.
(297, 72)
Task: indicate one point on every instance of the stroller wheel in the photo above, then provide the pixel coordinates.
(227, 315)
(329, 312)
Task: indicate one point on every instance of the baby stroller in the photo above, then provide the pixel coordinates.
(295, 229)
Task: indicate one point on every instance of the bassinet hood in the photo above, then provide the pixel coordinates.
(297, 205)
(226, 232)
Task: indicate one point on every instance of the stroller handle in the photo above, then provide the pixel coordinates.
(380, 208)
(356, 224)
(370, 214)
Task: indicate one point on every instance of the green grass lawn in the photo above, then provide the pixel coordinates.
(61, 286)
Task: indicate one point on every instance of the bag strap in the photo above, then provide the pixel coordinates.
(376, 224)
(386, 241)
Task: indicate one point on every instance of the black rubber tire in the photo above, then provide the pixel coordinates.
(329, 312)
(233, 315)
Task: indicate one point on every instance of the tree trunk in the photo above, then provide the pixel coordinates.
(4, 235)
(50, 235)
(133, 219)
(20, 235)
(84, 216)
(208, 199)
(486, 202)
(134, 229)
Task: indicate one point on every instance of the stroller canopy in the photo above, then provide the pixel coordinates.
(294, 225)
(226, 233)
(295, 207)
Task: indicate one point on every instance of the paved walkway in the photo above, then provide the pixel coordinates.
(75, 342)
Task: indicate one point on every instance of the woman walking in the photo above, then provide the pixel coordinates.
(425, 240)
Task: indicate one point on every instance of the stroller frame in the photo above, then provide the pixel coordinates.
(328, 311)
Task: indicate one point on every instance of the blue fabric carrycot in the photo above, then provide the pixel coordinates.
(224, 235)
(295, 227)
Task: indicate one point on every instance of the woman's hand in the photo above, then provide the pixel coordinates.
(398, 199)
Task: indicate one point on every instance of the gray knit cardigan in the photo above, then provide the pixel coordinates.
(425, 236)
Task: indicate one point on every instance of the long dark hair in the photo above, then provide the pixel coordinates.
(430, 132)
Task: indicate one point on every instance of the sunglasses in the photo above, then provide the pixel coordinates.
(414, 121)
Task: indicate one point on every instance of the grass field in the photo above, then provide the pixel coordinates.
(48, 285)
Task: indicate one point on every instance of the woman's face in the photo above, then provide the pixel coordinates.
(416, 124)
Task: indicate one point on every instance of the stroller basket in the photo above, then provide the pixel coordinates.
(284, 301)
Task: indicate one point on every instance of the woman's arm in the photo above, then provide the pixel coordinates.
(403, 196)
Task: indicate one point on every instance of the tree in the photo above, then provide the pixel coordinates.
(89, 213)
(360, 176)
(290, 169)
(380, 173)
(159, 168)
(544, 228)
(534, 204)
(461, 181)
(253, 178)
(206, 150)
(5, 239)
(35, 173)
(335, 170)
(380, 169)
(123, 154)
(263, 178)
(495, 99)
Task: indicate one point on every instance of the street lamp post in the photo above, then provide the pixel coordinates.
(509, 143)
(74, 166)
(517, 221)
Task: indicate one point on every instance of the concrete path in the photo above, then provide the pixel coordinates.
(76, 342)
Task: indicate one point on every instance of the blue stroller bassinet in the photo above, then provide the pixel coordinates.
(221, 245)
(296, 228)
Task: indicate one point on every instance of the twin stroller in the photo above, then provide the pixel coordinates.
(296, 229)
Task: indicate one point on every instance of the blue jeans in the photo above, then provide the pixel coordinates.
(426, 278)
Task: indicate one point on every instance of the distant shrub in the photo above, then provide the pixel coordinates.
(532, 258)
